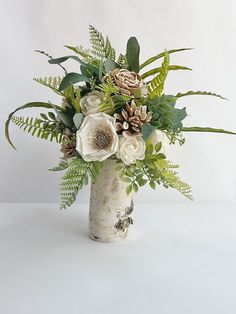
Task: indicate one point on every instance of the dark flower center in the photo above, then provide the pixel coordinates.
(102, 138)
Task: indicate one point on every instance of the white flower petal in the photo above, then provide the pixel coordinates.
(84, 137)
(131, 148)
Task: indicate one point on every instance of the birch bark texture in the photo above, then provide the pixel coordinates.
(110, 214)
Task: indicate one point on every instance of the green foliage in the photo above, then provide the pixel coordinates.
(170, 178)
(206, 129)
(156, 85)
(122, 61)
(155, 170)
(71, 79)
(132, 54)
(158, 70)
(78, 119)
(45, 128)
(204, 93)
(101, 48)
(75, 178)
(72, 95)
(93, 73)
(162, 111)
(50, 57)
(164, 114)
(161, 55)
(110, 65)
(29, 105)
(147, 130)
(178, 116)
(108, 105)
(84, 53)
(63, 59)
(51, 82)
(61, 166)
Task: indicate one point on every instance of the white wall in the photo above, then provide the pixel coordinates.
(207, 161)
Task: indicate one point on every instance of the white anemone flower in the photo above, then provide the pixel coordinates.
(96, 140)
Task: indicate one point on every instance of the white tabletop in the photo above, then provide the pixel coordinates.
(180, 259)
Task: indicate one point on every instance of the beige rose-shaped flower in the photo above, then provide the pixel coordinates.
(131, 148)
(89, 104)
(96, 139)
(159, 136)
(127, 82)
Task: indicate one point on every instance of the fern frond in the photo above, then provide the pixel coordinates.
(109, 50)
(169, 178)
(61, 166)
(156, 85)
(108, 89)
(75, 178)
(122, 61)
(41, 129)
(158, 70)
(204, 93)
(51, 82)
(86, 54)
(161, 55)
(101, 48)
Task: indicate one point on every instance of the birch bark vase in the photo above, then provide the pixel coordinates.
(110, 214)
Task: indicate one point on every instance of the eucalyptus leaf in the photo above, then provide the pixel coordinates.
(89, 70)
(72, 78)
(78, 119)
(132, 54)
(110, 65)
(178, 116)
(147, 130)
(63, 59)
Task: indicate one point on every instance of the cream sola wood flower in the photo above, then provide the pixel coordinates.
(96, 139)
(131, 148)
(160, 136)
(89, 104)
(127, 81)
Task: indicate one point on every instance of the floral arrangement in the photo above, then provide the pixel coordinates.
(113, 109)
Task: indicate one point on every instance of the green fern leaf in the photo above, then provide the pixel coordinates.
(158, 70)
(169, 178)
(75, 178)
(122, 61)
(108, 89)
(51, 82)
(101, 48)
(160, 55)
(156, 86)
(206, 129)
(109, 51)
(204, 93)
(61, 166)
(84, 53)
(41, 129)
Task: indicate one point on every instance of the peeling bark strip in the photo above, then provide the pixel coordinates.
(110, 215)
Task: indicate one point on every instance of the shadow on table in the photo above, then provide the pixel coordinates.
(67, 223)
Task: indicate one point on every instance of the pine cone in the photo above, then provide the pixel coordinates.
(69, 144)
(131, 119)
